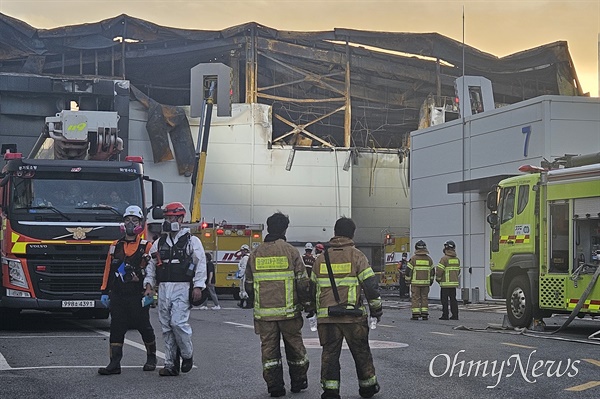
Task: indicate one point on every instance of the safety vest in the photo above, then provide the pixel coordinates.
(420, 272)
(308, 259)
(174, 261)
(134, 265)
(270, 275)
(451, 272)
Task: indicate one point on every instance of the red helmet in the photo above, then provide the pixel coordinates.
(174, 209)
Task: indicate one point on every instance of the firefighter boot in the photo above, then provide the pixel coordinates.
(299, 386)
(150, 356)
(172, 371)
(277, 392)
(187, 364)
(368, 392)
(114, 367)
(331, 394)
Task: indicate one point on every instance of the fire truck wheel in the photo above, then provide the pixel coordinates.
(519, 302)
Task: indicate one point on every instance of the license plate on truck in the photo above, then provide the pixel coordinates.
(77, 304)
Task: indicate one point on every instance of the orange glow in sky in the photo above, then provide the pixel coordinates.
(496, 27)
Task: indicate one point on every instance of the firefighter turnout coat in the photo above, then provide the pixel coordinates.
(352, 273)
(276, 278)
(420, 274)
(447, 272)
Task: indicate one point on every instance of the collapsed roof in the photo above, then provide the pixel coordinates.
(309, 78)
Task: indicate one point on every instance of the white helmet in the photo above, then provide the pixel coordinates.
(308, 246)
(245, 247)
(134, 210)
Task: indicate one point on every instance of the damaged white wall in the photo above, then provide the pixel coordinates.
(245, 181)
(492, 143)
(380, 196)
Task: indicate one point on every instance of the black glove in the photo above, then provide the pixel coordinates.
(310, 310)
(377, 313)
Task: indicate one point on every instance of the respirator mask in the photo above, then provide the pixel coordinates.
(131, 229)
(169, 227)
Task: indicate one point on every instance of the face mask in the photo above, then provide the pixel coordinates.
(131, 229)
(169, 227)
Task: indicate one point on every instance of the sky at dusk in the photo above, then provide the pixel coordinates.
(496, 27)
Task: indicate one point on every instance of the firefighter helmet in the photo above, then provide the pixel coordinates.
(320, 247)
(449, 245)
(308, 246)
(420, 245)
(245, 247)
(134, 210)
(174, 209)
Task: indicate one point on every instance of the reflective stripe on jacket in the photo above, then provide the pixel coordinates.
(351, 271)
(277, 274)
(420, 270)
(448, 270)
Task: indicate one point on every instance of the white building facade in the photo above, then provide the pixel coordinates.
(454, 165)
(247, 179)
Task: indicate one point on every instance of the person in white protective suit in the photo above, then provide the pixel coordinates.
(177, 263)
(244, 302)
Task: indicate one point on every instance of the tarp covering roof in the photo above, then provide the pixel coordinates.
(301, 74)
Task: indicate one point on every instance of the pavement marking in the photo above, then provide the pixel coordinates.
(589, 384)
(593, 361)
(127, 341)
(3, 363)
(66, 367)
(46, 336)
(583, 387)
(239, 324)
(518, 346)
(5, 366)
(313, 343)
(440, 333)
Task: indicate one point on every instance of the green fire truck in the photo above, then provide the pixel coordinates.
(545, 240)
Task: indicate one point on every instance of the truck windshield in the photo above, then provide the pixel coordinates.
(52, 195)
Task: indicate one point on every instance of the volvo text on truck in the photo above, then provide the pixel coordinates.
(60, 215)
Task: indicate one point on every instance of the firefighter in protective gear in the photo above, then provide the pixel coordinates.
(277, 279)
(420, 274)
(319, 249)
(402, 265)
(245, 301)
(352, 274)
(308, 258)
(447, 274)
(124, 272)
(177, 263)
